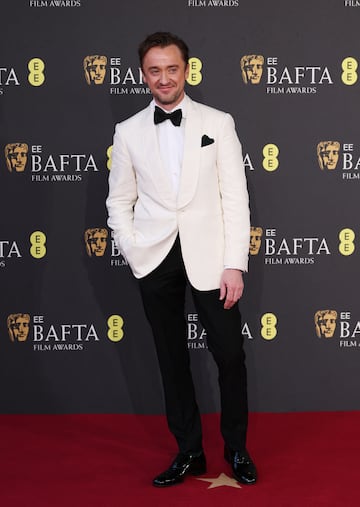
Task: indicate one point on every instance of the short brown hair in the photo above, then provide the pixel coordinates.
(162, 39)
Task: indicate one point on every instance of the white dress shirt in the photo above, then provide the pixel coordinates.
(171, 144)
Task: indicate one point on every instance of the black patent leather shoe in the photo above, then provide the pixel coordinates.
(242, 466)
(183, 464)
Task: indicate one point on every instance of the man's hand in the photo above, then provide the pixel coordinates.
(231, 287)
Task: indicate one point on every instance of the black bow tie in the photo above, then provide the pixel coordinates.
(174, 117)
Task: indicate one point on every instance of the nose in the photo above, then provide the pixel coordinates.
(164, 79)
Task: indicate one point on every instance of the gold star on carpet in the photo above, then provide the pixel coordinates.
(221, 480)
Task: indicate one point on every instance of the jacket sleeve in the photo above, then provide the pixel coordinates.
(234, 197)
(122, 190)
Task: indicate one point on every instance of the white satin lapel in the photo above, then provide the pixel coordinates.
(191, 159)
(150, 145)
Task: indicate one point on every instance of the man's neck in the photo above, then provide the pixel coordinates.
(170, 107)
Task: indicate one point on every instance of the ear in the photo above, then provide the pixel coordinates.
(187, 70)
(143, 76)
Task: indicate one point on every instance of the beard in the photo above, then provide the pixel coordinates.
(168, 99)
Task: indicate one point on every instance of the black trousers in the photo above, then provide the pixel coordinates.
(163, 295)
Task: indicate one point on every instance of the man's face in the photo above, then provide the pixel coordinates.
(254, 70)
(255, 240)
(20, 329)
(97, 71)
(98, 244)
(165, 74)
(18, 158)
(330, 156)
(327, 325)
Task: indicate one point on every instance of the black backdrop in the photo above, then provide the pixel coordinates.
(73, 337)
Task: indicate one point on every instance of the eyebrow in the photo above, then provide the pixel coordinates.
(172, 66)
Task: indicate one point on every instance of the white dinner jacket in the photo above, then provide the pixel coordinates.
(210, 212)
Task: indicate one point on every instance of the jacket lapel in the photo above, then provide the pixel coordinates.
(156, 168)
(191, 159)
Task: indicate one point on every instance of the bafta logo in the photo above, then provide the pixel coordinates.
(16, 156)
(325, 323)
(18, 325)
(328, 154)
(255, 240)
(96, 241)
(95, 69)
(252, 68)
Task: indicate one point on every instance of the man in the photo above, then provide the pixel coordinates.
(178, 205)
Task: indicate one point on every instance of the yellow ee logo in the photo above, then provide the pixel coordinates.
(270, 161)
(346, 245)
(268, 329)
(115, 328)
(349, 66)
(109, 153)
(195, 77)
(37, 241)
(36, 76)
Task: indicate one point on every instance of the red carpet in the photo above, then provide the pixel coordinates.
(304, 460)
